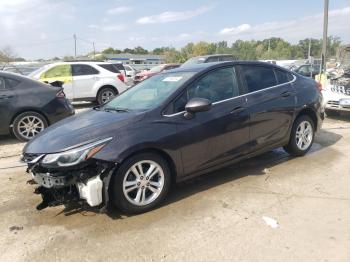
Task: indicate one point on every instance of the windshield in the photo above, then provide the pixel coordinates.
(149, 93)
(194, 61)
(157, 69)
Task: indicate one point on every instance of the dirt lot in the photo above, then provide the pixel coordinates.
(217, 217)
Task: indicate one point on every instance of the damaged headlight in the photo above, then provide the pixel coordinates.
(74, 156)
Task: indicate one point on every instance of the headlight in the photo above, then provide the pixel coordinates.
(74, 156)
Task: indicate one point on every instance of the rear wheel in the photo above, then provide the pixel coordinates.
(301, 137)
(28, 124)
(141, 183)
(105, 94)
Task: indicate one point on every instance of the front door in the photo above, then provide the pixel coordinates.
(218, 135)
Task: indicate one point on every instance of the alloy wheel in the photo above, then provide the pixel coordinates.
(106, 96)
(143, 182)
(30, 126)
(304, 135)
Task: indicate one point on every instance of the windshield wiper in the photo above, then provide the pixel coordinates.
(116, 109)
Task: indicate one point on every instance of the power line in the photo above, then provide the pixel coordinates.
(43, 43)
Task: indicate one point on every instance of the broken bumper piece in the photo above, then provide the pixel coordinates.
(87, 185)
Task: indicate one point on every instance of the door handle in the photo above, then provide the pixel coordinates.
(286, 94)
(5, 97)
(237, 110)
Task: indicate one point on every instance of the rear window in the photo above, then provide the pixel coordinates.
(258, 77)
(110, 67)
(282, 77)
(81, 70)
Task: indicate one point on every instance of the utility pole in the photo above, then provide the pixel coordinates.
(93, 45)
(309, 58)
(324, 42)
(75, 46)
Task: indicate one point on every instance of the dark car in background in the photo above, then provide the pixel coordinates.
(155, 70)
(209, 59)
(308, 70)
(173, 126)
(27, 106)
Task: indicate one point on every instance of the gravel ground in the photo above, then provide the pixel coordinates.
(269, 208)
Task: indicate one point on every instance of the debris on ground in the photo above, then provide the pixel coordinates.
(270, 222)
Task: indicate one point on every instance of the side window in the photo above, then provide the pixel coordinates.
(212, 59)
(258, 77)
(304, 70)
(11, 82)
(57, 71)
(2, 83)
(215, 86)
(282, 77)
(82, 70)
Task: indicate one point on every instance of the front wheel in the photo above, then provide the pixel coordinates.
(301, 137)
(141, 183)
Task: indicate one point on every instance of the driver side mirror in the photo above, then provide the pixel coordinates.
(196, 105)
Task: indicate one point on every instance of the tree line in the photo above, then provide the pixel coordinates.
(268, 49)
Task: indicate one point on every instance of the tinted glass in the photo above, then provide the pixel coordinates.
(226, 58)
(151, 92)
(81, 70)
(258, 77)
(215, 86)
(304, 70)
(119, 66)
(57, 71)
(110, 67)
(282, 77)
(212, 59)
(11, 82)
(2, 84)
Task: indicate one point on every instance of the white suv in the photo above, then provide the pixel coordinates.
(84, 81)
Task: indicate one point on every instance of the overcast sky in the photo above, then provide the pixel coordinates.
(45, 28)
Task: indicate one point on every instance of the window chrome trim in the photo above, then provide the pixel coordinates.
(254, 92)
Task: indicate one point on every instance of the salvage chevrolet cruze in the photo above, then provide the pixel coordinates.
(171, 127)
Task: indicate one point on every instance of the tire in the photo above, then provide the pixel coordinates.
(134, 202)
(28, 124)
(332, 112)
(105, 94)
(297, 134)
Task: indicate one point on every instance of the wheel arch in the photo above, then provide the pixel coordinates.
(163, 154)
(310, 113)
(25, 110)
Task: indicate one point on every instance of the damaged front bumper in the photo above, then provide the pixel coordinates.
(85, 184)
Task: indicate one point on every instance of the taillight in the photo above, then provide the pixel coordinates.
(61, 94)
(121, 77)
(319, 86)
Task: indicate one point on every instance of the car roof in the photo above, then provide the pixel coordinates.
(208, 66)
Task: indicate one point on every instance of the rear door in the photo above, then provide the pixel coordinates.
(218, 135)
(84, 78)
(271, 103)
(7, 103)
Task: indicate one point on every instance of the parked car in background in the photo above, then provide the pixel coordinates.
(130, 74)
(84, 81)
(173, 126)
(308, 70)
(27, 106)
(22, 70)
(155, 70)
(337, 93)
(209, 59)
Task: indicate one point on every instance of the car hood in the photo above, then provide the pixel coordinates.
(80, 129)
